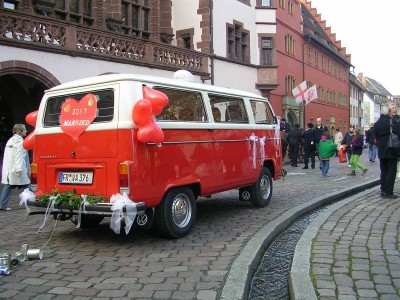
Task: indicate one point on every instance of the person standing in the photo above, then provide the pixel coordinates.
(338, 140)
(348, 138)
(284, 138)
(285, 125)
(371, 140)
(326, 149)
(294, 138)
(356, 147)
(320, 129)
(387, 156)
(309, 146)
(16, 169)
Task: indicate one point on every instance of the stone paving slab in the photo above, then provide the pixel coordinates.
(98, 264)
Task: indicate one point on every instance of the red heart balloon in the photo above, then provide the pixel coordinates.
(150, 133)
(141, 113)
(158, 99)
(76, 116)
(29, 141)
(31, 118)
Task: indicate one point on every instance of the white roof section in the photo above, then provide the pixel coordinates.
(113, 78)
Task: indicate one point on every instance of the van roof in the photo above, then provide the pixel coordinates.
(150, 79)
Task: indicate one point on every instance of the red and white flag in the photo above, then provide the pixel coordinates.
(299, 92)
(311, 94)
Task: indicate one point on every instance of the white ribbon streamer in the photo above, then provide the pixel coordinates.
(24, 197)
(50, 208)
(119, 202)
(254, 139)
(81, 209)
(262, 149)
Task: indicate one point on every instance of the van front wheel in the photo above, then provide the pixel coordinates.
(174, 216)
(260, 193)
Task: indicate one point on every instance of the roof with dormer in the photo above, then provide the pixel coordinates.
(315, 29)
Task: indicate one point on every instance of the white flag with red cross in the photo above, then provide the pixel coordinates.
(299, 92)
(311, 94)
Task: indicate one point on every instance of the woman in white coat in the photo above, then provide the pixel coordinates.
(16, 170)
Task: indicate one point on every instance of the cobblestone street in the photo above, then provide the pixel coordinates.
(97, 264)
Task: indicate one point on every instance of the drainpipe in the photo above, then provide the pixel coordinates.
(211, 42)
(304, 76)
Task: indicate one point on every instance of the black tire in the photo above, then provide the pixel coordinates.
(175, 215)
(88, 221)
(260, 193)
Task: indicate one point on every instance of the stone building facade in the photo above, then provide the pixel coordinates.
(261, 46)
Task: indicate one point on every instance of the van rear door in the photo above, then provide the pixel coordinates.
(79, 161)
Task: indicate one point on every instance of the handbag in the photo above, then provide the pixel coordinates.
(342, 156)
(394, 141)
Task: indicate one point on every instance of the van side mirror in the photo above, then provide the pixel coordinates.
(275, 120)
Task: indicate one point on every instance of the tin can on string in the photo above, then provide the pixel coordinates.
(5, 263)
(4, 271)
(5, 259)
(14, 262)
(33, 254)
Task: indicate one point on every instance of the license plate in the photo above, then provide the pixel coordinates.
(76, 177)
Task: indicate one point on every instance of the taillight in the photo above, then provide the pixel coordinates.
(124, 178)
(34, 186)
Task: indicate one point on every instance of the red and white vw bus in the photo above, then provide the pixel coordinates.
(163, 142)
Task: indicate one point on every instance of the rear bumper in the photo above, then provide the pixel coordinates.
(103, 209)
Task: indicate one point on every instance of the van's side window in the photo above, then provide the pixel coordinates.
(182, 106)
(262, 112)
(228, 109)
(105, 107)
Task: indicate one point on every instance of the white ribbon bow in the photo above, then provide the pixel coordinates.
(262, 149)
(254, 139)
(82, 209)
(50, 208)
(24, 197)
(119, 202)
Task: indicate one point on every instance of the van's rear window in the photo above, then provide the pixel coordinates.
(105, 107)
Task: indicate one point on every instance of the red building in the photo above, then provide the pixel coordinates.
(308, 51)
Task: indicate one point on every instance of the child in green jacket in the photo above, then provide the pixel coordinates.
(326, 150)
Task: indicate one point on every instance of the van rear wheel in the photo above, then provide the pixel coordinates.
(260, 193)
(175, 215)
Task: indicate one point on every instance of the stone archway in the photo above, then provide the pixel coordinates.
(22, 85)
(292, 118)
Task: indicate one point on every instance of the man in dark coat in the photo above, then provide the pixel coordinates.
(294, 144)
(371, 140)
(309, 146)
(387, 156)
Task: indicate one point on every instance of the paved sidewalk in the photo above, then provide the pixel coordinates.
(351, 251)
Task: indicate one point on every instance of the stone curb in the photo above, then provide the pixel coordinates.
(243, 268)
(300, 284)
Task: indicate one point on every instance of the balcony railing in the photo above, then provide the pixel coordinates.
(22, 30)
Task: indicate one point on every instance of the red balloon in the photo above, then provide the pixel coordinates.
(29, 141)
(158, 99)
(150, 133)
(141, 113)
(31, 118)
